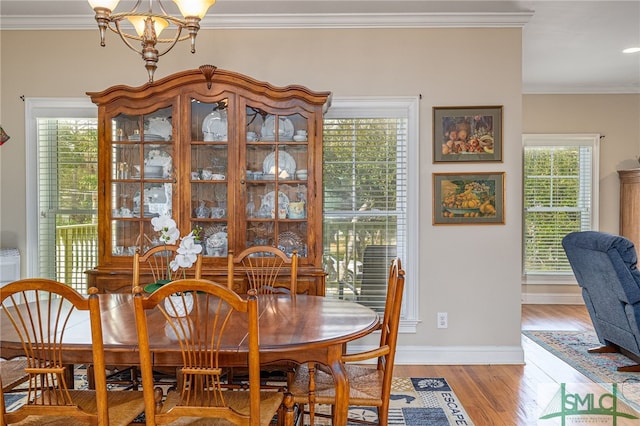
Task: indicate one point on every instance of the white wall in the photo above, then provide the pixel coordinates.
(471, 272)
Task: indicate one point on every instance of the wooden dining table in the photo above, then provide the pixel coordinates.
(307, 329)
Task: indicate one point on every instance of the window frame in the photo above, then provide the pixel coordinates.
(572, 140)
(37, 108)
(392, 106)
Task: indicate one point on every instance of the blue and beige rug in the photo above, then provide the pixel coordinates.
(414, 402)
(572, 347)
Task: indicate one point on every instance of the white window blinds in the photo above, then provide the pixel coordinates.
(62, 197)
(365, 201)
(560, 196)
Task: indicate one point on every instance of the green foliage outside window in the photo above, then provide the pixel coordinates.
(77, 176)
(556, 202)
(363, 161)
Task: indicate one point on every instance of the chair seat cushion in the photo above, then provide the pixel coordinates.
(124, 407)
(365, 385)
(238, 400)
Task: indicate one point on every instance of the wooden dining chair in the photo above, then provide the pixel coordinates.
(266, 270)
(152, 265)
(265, 267)
(217, 323)
(40, 327)
(369, 386)
(149, 267)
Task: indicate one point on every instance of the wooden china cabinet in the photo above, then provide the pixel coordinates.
(235, 158)
(630, 205)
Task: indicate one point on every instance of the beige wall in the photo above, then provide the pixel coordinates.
(471, 272)
(617, 118)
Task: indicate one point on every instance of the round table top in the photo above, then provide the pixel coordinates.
(283, 322)
(308, 324)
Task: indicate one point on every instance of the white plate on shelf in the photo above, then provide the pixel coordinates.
(214, 126)
(285, 129)
(160, 126)
(269, 200)
(285, 162)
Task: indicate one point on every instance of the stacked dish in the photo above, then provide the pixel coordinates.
(151, 137)
(150, 172)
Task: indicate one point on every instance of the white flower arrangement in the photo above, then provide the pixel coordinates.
(187, 252)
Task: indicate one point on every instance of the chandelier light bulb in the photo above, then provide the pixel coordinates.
(104, 4)
(194, 8)
(139, 23)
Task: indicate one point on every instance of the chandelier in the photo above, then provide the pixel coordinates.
(146, 26)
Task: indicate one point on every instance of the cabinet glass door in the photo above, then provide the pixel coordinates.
(275, 190)
(209, 175)
(142, 153)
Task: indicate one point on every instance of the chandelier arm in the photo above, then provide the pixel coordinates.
(123, 15)
(175, 41)
(136, 37)
(125, 37)
(159, 5)
(137, 5)
(180, 25)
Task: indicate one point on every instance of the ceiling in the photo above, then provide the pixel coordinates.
(568, 46)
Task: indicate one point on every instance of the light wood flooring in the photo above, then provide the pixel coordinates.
(496, 395)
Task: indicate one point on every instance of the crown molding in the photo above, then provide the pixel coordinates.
(296, 21)
(568, 89)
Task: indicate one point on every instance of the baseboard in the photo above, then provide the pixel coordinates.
(455, 355)
(552, 299)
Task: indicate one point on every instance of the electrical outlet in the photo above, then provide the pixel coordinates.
(443, 320)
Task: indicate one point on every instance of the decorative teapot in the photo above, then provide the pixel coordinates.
(217, 244)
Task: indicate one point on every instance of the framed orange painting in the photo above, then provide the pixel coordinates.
(468, 198)
(465, 134)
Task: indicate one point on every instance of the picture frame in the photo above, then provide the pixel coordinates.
(467, 134)
(469, 198)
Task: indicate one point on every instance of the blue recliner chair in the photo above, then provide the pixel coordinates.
(605, 266)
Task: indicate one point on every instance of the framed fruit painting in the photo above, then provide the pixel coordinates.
(468, 198)
(464, 134)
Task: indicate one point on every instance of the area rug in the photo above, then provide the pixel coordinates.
(414, 402)
(572, 347)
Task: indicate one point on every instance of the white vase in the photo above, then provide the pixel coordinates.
(178, 329)
(179, 305)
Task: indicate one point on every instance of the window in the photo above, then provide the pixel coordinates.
(560, 196)
(370, 198)
(62, 167)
